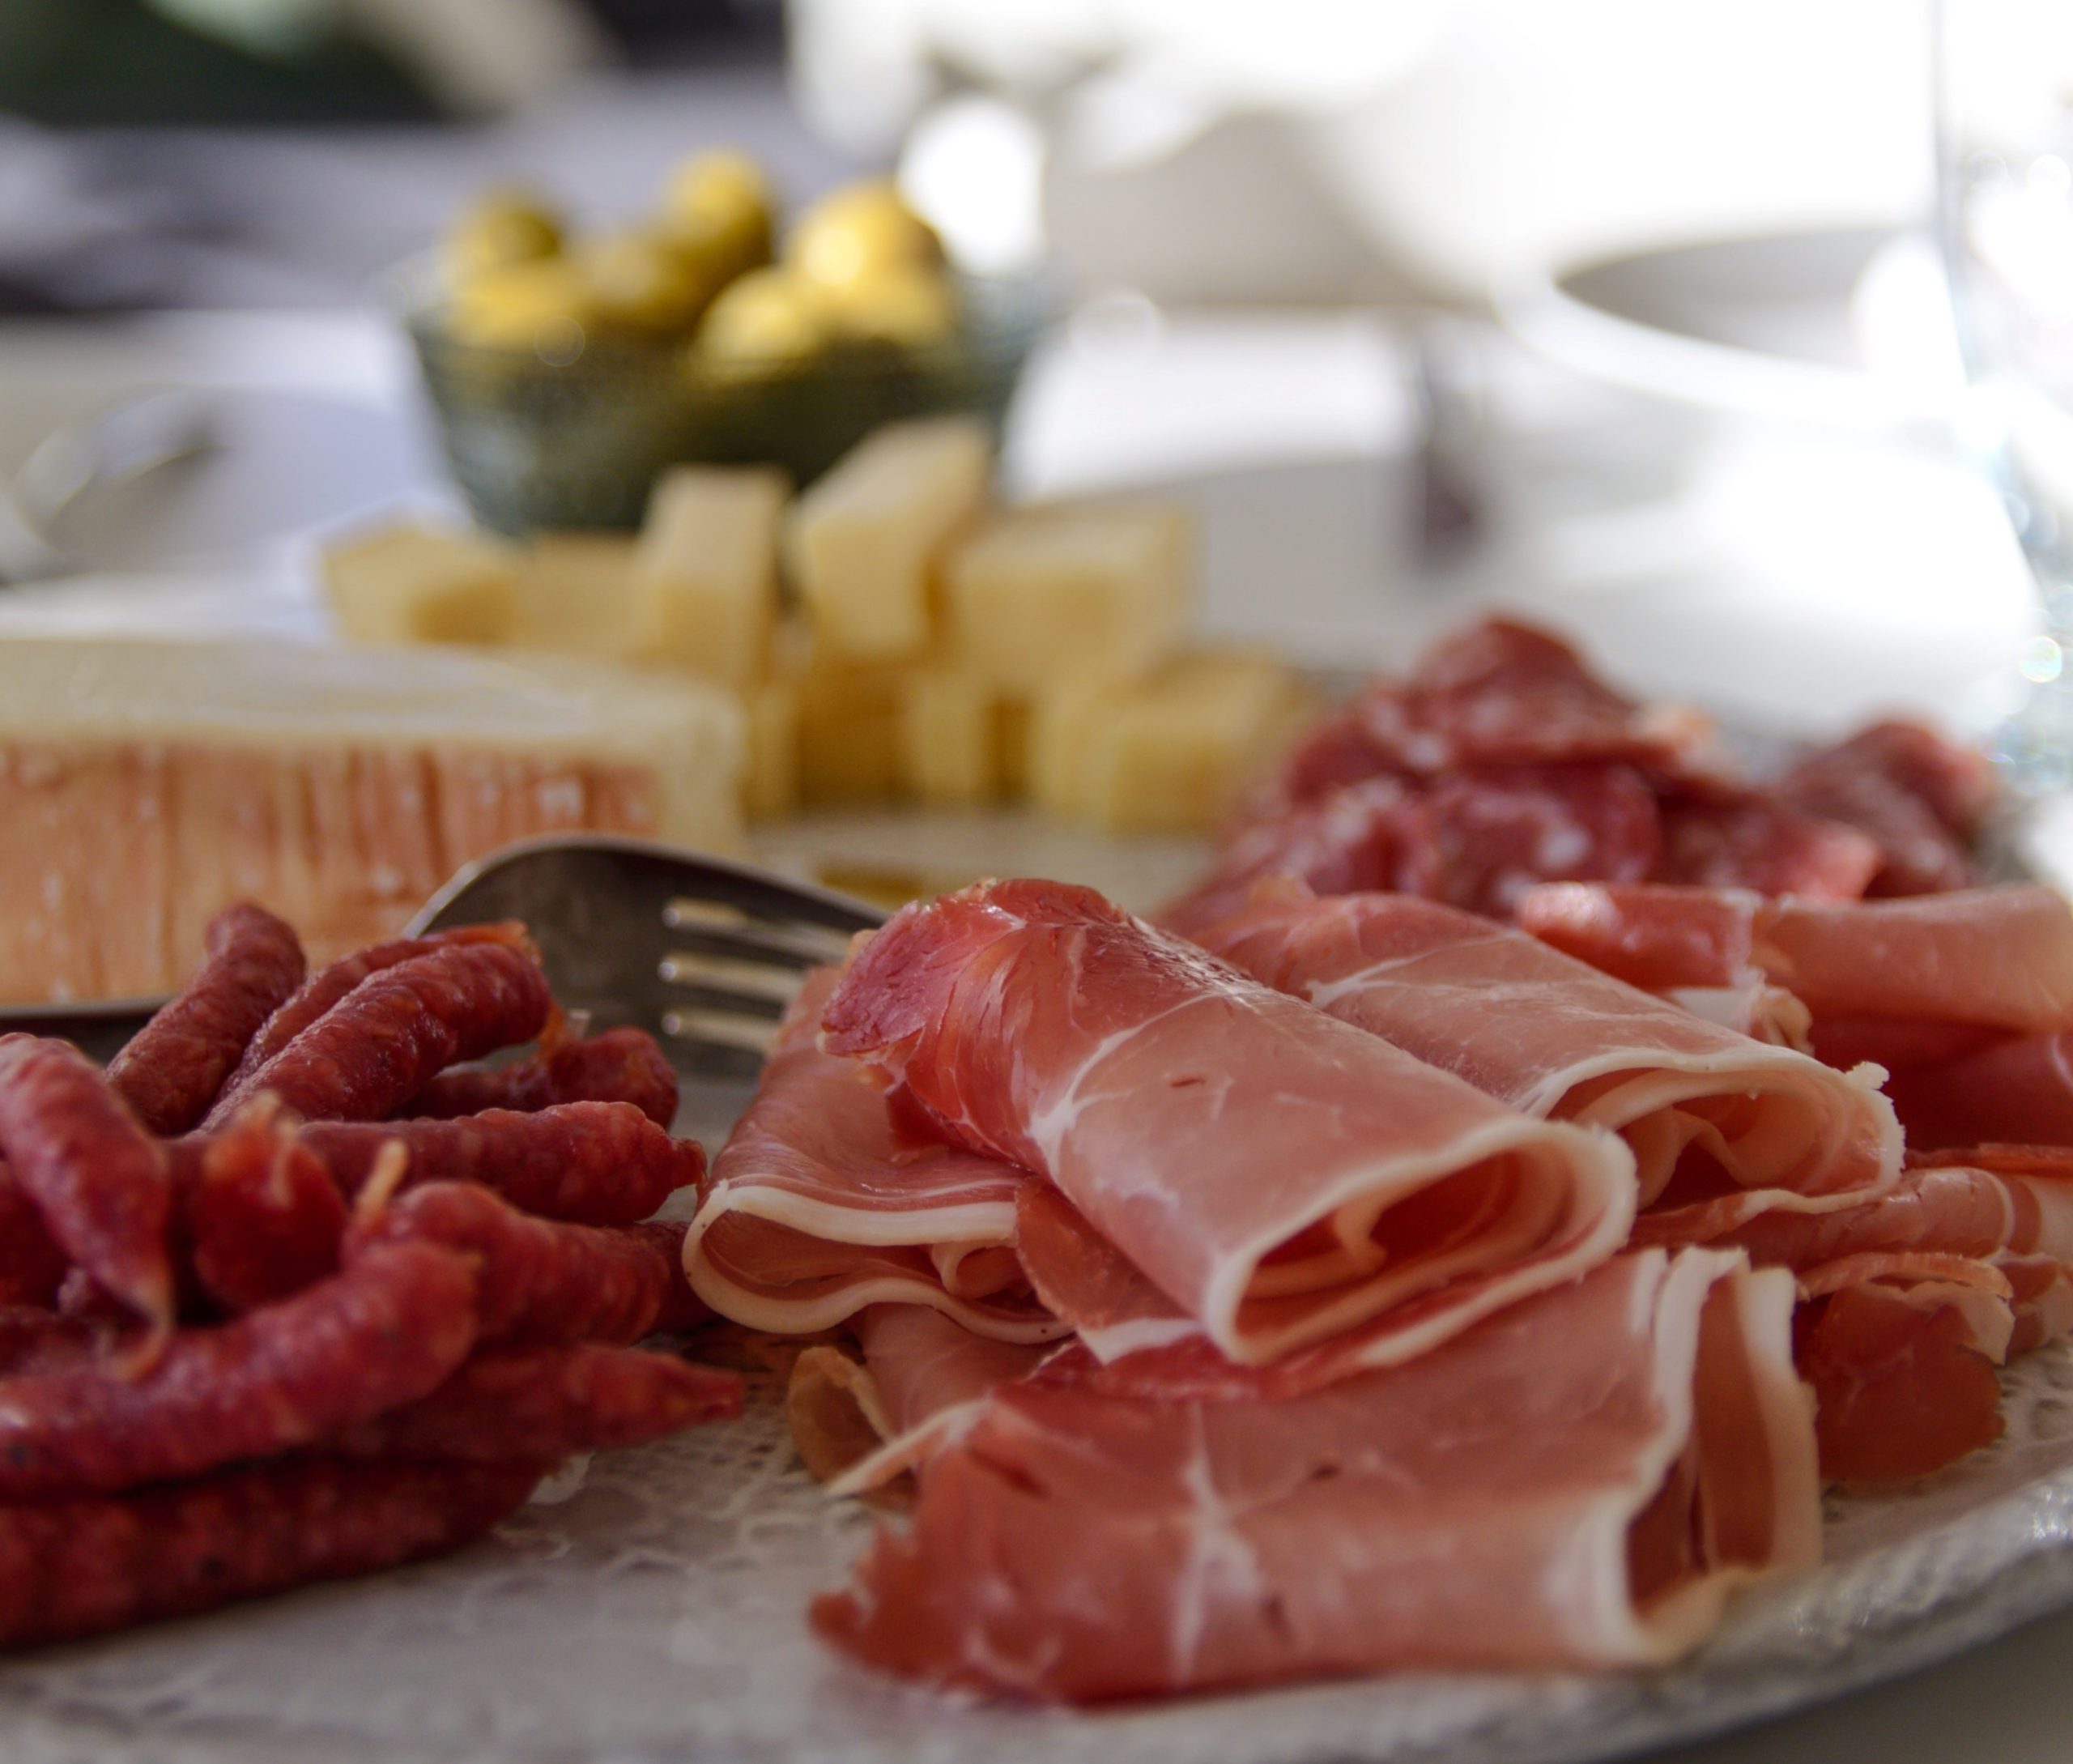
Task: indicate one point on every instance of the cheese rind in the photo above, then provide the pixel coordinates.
(417, 584)
(862, 543)
(704, 572)
(145, 785)
(1038, 593)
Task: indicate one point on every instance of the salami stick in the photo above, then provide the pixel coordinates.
(596, 1163)
(550, 1402)
(380, 1044)
(97, 1179)
(170, 1072)
(537, 1282)
(390, 1328)
(262, 1217)
(622, 1065)
(32, 1264)
(83, 1566)
(327, 986)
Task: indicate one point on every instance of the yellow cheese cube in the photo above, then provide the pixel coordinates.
(1169, 754)
(847, 727)
(862, 542)
(770, 781)
(575, 595)
(411, 584)
(1036, 593)
(704, 574)
(1062, 723)
(951, 739)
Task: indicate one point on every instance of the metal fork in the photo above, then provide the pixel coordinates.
(703, 952)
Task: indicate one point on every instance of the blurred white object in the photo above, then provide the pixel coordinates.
(1846, 330)
(1419, 147)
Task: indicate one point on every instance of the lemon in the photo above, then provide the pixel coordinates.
(542, 306)
(904, 305)
(767, 319)
(502, 227)
(857, 230)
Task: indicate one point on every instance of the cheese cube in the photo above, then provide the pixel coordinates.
(862, 543)
(1167, 755)
(770, 780)
(576, 595)
(705, 574)
(1038, 592)
(950, 739)
(1062, 723)
(848, 724)
(413, 584)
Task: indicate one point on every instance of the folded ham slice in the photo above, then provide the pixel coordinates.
(1720, 1114)
(1577, 1482)
(1966, 998)
(1281, 1176)
(1996, 959)
(819, 1206)
(920, 1383)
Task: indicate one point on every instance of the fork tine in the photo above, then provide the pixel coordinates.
(704, 953)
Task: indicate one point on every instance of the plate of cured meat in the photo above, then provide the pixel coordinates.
(1552, 1244)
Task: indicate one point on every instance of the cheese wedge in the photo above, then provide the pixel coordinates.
(417, 584)
(576, 595)
(145, 785)
(862, 544)
(1038, 593)
(1167, 754)
(705, 574)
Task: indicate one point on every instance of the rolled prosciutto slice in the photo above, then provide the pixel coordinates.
(1711, 1115)
(1578, 1481)
(819, 1205)
(1280, 1176)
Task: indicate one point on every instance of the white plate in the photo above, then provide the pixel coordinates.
(658, 1614)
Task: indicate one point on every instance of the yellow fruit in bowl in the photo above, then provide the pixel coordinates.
(857, 230)
(717, 207)
(502, 227)
(544, 307)
(639, 281)
(905, 306)
(768, 320)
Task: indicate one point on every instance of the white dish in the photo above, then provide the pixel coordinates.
(1772, 327)
(657, 1613)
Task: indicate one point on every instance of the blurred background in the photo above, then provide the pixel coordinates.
(1626, 312)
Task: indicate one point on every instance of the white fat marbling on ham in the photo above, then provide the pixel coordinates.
(817, 1206)
(1553, 1037)
(1579, 1480)
(1280, 1177)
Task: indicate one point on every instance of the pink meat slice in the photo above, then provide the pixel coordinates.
(819, 1206)
(1921, 799)
(1997, 958)
(1578, 1481)
(1280, 1176)
(1715, 1111)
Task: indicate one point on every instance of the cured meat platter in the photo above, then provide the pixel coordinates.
(648, 1608)
(651, 1604)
